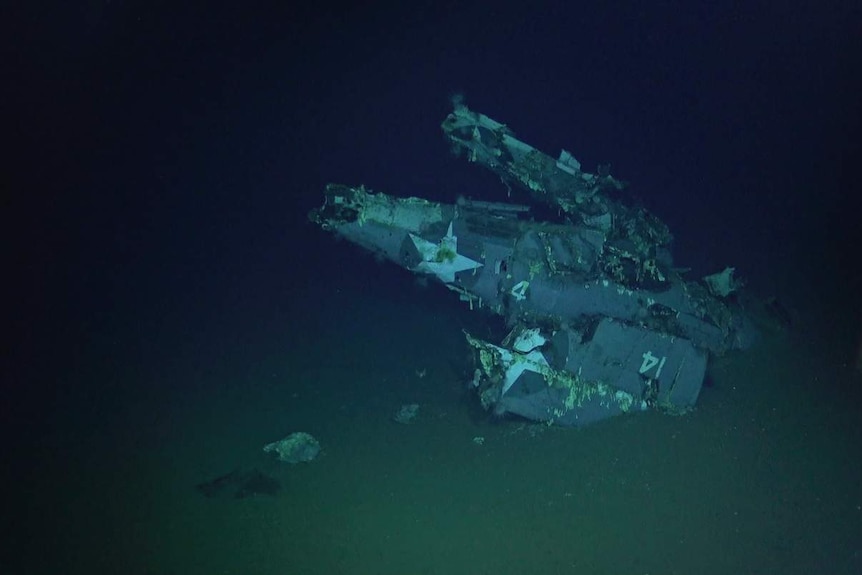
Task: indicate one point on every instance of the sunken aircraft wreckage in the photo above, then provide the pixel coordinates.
(601, 322)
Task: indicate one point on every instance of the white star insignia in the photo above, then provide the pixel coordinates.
(442, 259)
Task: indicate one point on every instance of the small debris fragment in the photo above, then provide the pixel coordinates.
(406, 413)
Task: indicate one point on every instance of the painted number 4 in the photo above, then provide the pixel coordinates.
(650, 361)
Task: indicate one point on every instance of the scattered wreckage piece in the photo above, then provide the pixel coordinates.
(560, 183)
(570, 380)
(603, 322)
(529, 271)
